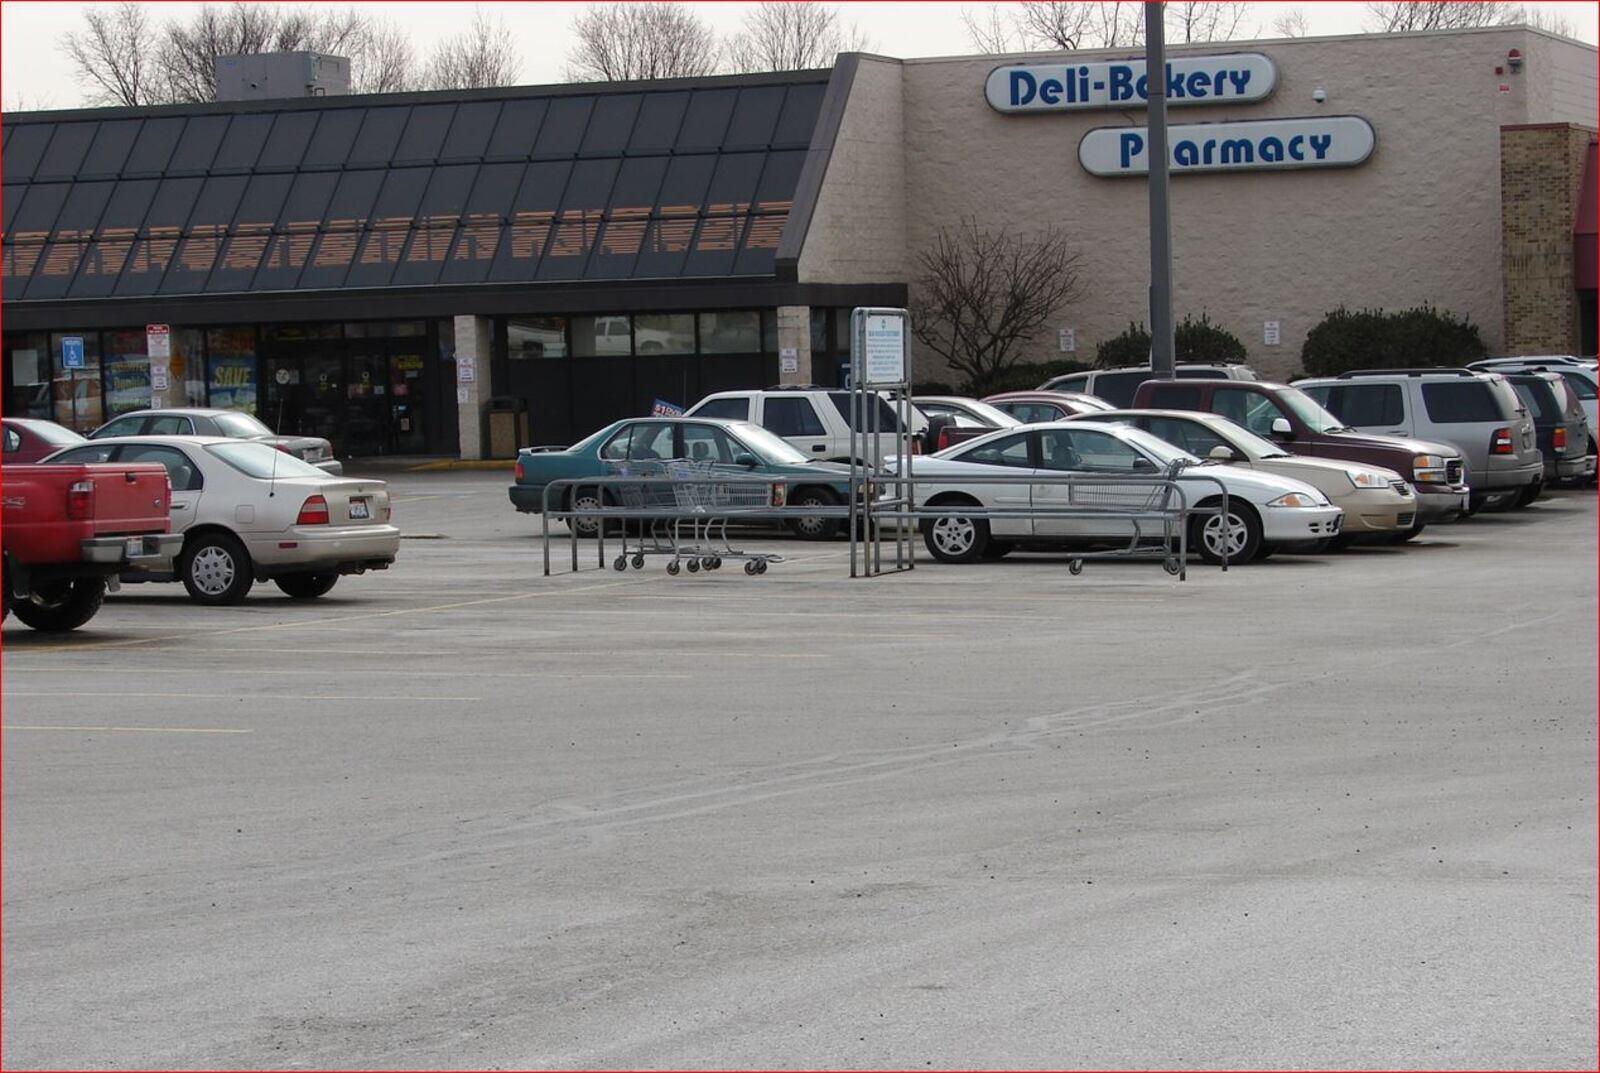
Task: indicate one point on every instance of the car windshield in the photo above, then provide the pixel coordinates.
(242, 425)
(262, 462)
(767, 446)
(1154, 446)
(1307, 410)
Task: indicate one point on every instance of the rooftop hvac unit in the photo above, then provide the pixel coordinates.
(276, 75)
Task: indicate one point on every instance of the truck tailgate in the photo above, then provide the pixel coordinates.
(45, 524)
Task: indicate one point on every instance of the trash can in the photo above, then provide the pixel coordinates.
(506, 426)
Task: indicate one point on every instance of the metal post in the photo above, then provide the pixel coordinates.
(1155, 66)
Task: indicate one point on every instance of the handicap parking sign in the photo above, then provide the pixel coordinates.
(72, 352)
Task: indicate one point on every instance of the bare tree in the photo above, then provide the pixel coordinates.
(384, 62)
(1057, 25)
(981, 296)
(791, 36)
(1207, 21)
(481, 55)
(1402, 17)
(112, 56)
(1541, 18)
(1291, 23)
(988, 32)
(623, 42)
(22, 100)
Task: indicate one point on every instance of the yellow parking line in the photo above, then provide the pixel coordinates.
(134, 730)
(233, 696)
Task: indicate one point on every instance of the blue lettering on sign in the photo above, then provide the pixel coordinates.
(1132, 145)
(1019, 80)
(1271, 149)
(1120, 79)
(1320, 143)
(1050, 91)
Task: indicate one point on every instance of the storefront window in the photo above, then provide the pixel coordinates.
(27, 387)
(730, 333)
(231, 368)
(601, 337)
(769, 332)
(841, 329)
(819, 331)
(75, 392)
(536, 337)
(187, 368)
(127, 372)
(664, 333)
(291, 333)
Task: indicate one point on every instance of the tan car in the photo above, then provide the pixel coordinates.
(1376, 501)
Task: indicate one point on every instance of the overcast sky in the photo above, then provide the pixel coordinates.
(33, 73)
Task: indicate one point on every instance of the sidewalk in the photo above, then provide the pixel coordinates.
(378, 464)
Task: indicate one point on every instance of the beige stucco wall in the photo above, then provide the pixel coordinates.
(858, 231)
(1418, 222)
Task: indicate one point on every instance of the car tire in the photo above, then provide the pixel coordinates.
(1263, 551)
(1408, 534)
(1341, 542)
(1528, 495)
(586, 499)
(998, 549)
(1475, 502)
(815, 528)
(306, 586)
(954, 538)
(1206, 533)
(216, 570)
(59, 606)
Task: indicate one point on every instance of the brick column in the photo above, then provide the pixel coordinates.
(474, 351)
(1541, 170)
(794, 333)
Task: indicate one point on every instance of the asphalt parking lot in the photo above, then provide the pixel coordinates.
(1318, 812)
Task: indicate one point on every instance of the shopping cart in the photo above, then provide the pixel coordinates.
(682, 509)
(1138, 503)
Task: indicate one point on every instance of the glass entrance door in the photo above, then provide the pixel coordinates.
(407, 400)
(367, 403)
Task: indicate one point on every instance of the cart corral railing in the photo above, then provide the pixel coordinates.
(686, 515)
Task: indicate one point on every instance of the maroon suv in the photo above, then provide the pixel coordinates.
(1293, 420)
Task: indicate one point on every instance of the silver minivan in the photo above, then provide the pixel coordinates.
(1479, 413)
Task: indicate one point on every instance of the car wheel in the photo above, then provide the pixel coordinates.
(585, 499)
(1239, 534)
(815, 527)
(1475, 503)
(1263, 551)
(999, 549)
(1342, 541)
(1409, 534)
(216, 570)
(956, 539)
(1528, 495)
(59, 606)
(306, 586)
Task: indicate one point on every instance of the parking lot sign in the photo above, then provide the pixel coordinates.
(72, 352)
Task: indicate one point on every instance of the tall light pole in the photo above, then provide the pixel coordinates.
(1155, 66)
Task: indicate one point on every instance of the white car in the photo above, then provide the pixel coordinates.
(249, 512)
(1264, 511)
(815, 421)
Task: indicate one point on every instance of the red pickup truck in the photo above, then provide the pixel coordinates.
(70, 529)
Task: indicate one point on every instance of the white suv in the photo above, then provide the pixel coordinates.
(1117, 386)
(816, 421)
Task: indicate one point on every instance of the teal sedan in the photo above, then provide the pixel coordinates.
(741, 447)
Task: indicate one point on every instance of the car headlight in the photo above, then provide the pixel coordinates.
(1428, 468)
(1369, 478)
(1296, 499)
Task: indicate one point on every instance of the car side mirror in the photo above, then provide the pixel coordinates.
(746, 459)
(1281, 427)
(1144, 465)
(1223, 453)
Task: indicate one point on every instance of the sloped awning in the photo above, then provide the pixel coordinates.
(1584, 270)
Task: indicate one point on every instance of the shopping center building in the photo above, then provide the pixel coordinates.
(383, 270)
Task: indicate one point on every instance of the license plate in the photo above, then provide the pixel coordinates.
(359, 509)
(135, 547)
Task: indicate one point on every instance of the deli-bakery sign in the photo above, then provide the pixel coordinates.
(1237, 78)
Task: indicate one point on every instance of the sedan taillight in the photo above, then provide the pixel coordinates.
(1500, 442)
(80, 501)
(944, 438)
(313, 511)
